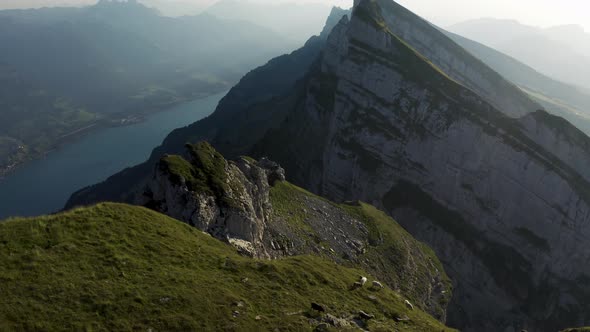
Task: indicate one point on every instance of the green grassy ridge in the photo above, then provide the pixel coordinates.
(391, 251)
(119, 267)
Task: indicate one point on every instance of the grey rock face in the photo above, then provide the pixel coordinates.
(560, 138)
(504, 202)
(455, 61)
(241, 223)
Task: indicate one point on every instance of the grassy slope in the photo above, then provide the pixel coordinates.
(118, 267)
(391, 250)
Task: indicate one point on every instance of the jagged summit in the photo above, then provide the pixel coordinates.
(336, 15)
(453, 59)
(122, 6)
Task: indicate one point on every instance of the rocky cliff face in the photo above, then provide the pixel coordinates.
(454, 60)
(248, 204)
(229, 200)
(504, 202)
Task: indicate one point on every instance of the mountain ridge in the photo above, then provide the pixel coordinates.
(529, 45)
(525, 76)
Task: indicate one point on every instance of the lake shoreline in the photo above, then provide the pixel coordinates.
(102, 124)
(43, 186)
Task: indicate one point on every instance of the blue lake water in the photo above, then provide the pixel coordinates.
(43, 186)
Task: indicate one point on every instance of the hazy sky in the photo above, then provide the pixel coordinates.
(532, 12)
(442, 12)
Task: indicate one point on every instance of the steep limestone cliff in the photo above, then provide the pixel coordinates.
(454, 60)
(502, 202)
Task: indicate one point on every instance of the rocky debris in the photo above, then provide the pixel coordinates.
(333, 230)
(409, 305)
(244, 247)
(335, 321)
(340, 323)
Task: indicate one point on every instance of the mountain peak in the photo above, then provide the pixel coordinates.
(124, 5)
(336, 15)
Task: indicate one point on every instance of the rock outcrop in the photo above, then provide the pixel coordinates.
(229, 200)
(248, 204)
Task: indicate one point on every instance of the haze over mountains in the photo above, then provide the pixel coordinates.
(562, 52)
(566, 100)
(294, 21)
(65, 69)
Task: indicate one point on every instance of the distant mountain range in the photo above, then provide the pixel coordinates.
(66, 69)
(293, 21)
(566, 100)
(562, 52)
